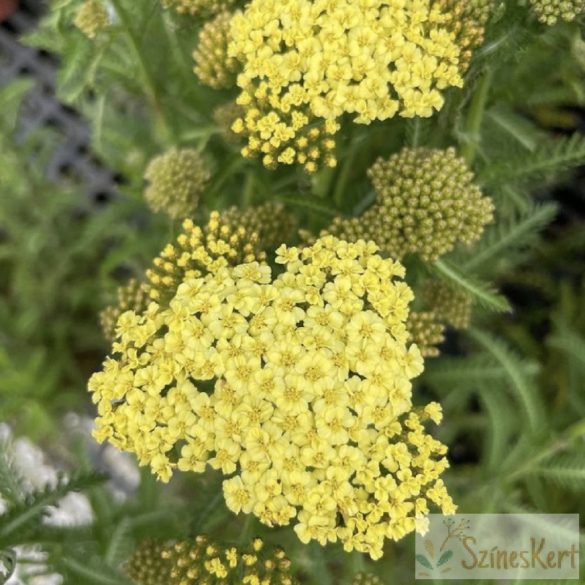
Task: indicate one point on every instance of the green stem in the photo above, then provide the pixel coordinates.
(343, 179)
(246, 534)
(472, 131)
(248, 194)
(148, 78)
(416, 133)
(357, 563)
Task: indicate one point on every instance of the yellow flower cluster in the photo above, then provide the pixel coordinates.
(296, 387)
(229, 238)
(551, 11)
(198, 7)
(200, 561)
(426, 331)
(468, 21)
(176, 179)
(213, 66)
(91, 17)
(130, 296)
(307, 63)
(427, 203)
(452, 307)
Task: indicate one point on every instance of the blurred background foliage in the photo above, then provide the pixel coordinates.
(511, 386)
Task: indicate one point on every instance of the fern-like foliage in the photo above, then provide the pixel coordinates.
(21, 519)
(522, 385)
(11, 483)
(79, 569)
(480, 292)
(548, 160)
(566, 471)
(449, 373)
(508, 237)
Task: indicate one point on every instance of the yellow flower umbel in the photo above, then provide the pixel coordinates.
(307, 63)
(229, 238)
(200, 561)
(91, 17)
(427, 203)
(310, 417)
(198, 7)
(551, 11)
(212, 64)
(176, 181)
(130, 296)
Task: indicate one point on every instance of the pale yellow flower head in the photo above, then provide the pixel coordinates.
(307, 63)
(296, 386)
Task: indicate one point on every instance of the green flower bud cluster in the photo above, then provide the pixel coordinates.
(427, 203)
(197, 7)
(202, 562)
(176, 181)
(367, 579)
(130, 297)
(147, 565)
(213, 66)
(91, 17)
(425, 329)
(272, 223)
(551, 11)
(224, 117)
(452, 307)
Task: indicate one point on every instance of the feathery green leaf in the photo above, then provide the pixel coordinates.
(546, 161)
(511, 234)
(480, 292)
(521, 384)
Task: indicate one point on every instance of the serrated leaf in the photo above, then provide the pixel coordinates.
(548, 160)
(480, 292)
(511, 234)
(567, 472)
(22, 517)
(521, 384)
